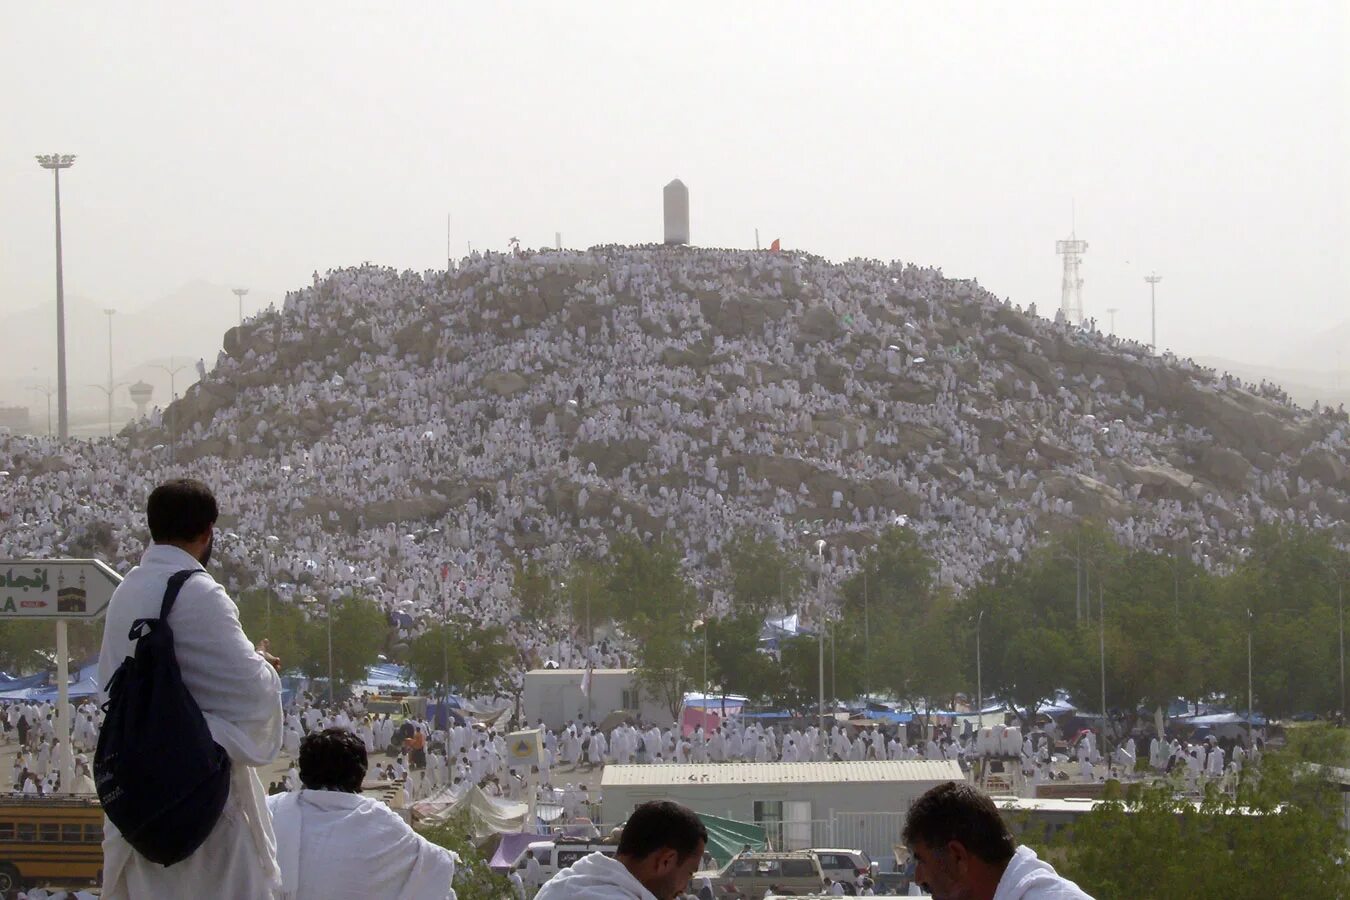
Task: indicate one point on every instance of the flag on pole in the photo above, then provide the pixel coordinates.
(586, 680)
(776, 246)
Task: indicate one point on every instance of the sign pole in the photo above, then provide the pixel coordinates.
(66, 761)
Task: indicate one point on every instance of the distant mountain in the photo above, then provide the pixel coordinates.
(1304, 384)
(184, 326)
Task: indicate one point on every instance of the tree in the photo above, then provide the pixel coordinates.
(1282, 829)
(585, 594)
(359, 632)
(460, 655)
(29, 645)
(897, 575)
(1288, 582)
(644, 583)
(533, 586)
(262, 614)
(761, 578)
(666, 660)
(474, 880)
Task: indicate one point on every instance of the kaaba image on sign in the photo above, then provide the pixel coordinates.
(70, 600)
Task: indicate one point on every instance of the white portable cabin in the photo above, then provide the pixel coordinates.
(555, 696)
(802, 805)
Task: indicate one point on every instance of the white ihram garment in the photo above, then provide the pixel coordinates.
(338, 846)
(240, 695)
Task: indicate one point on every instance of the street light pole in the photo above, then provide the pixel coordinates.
(109, 313)
(1153, 280)
(1101, 642)
(173, 395)
(240, 293)
(979, 672)
(820, 639)
(56, 162)
(330, 649)
(867, 642)
(1250, 743)
(47, 392)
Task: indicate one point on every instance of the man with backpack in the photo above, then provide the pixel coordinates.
(237, 693)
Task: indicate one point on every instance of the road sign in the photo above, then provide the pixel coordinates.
(55, 588)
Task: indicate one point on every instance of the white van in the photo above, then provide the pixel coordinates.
(556, 855)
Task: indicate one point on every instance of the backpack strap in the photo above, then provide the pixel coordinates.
(175, 585)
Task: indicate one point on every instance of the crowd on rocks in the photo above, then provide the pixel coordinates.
(413, 436)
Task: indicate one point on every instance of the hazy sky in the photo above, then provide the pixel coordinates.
(252, 143)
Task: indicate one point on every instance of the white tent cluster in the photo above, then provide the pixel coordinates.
(413, 435)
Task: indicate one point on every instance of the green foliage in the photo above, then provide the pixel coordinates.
(534, 587)
(897, 577)
(474, 659)
(29, 645)
(473, 879)
(762, 579)
(645, 586)
(1281, 835)
(263, 615)
(359, 631)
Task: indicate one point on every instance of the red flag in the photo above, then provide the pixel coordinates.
(775, 246)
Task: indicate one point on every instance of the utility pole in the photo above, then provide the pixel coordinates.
(1153, 280)
(173, 395)
(56, 162)
(47, 392)
(820, 639)
(1250, 743)
(1101, 643)
(240, 293)
(1111, 311)
(979, 672)
(109, 313)
(867, 642)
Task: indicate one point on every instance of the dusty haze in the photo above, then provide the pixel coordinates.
(253, 145)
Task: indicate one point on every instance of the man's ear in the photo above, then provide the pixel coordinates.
(959, 856)
(666, 860)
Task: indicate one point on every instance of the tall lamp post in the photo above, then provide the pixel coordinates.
(173, 371)
(56, 162)
(1340, 622)
(1250, 743)
(240, 293)
(1153, 280)
(47, 392)
(820, 638)
(1101, 644)
(979, 672)
(110, 313)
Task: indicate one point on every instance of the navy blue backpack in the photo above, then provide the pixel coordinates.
(162, 778)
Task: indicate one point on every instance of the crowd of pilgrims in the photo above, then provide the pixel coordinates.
(412, 437)
(429, 761)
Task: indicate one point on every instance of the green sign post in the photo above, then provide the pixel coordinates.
(58, 589)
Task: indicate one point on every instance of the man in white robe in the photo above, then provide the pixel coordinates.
(239, 694)
(335, 844)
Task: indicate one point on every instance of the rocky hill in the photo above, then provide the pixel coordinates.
(538, 403)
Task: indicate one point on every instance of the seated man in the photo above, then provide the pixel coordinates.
(333, 843)
(660, 848)
(962, 848)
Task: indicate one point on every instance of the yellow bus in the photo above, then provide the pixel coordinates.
(50, 840)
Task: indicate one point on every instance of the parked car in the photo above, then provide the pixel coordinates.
(750, 875)
(556, 855)
(845, 866)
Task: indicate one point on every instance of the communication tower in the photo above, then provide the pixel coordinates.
(1071, 293)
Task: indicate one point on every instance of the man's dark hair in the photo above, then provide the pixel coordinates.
(180, 510)
(332, 760)
(658, 824)
(957, 811)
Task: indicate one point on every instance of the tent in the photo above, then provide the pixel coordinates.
(511, 845)
(487, 815)
(727, 837)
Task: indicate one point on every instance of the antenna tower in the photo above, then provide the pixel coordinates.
(1071, 293)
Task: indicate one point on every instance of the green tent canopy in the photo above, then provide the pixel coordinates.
(727, 837)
